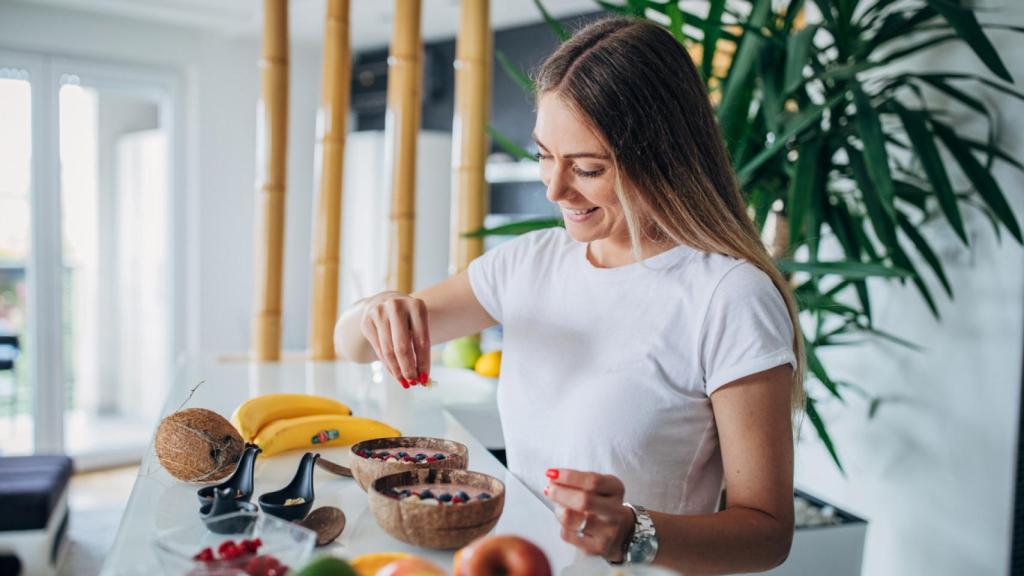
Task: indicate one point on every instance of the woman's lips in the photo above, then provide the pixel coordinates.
(579, 215)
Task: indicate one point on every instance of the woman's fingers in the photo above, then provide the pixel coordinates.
(396, 327)
(595, 536)
(387, 347)
(584, 501)
(369, 329)
(585, 491)
(421, 340)
(603, 484)
(405, 353)
(589, 507)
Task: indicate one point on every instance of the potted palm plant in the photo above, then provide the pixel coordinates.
(843, 154)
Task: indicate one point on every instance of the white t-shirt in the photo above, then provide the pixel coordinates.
(610, 369)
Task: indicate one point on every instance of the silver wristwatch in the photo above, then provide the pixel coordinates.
(643, 546)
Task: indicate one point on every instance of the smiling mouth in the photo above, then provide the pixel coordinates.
(581, 212)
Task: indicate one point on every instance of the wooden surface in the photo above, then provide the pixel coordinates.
(272, 145)
(403, 121)
(337, 71)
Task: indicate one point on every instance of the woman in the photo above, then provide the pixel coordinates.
(650, 349)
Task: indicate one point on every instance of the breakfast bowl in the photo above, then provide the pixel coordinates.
(437, 508)
(372, 459)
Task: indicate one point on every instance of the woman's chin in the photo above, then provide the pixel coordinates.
(580, 233)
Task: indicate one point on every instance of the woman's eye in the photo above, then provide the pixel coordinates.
(541, 156)
(587, 173)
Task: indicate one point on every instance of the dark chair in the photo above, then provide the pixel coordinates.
(33, 512)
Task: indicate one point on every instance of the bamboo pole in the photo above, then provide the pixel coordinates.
(271, 144)
(402, 127)
(337, 72)
(469, 132)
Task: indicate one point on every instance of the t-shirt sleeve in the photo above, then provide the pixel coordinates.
(747, 328)
(491, 272)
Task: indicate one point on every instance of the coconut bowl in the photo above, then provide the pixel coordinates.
(439, 526)
(366, 470)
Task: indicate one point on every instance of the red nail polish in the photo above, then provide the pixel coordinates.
(423, 378)
(552, 473)
(403, 382)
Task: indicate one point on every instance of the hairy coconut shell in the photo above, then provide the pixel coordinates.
(198, 445)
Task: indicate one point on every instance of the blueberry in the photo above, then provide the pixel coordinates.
(462, 495)
(404, 494)
(426, 495)
(484, 496)
(402, 454)
(445, 497)
(439, 456)
(421, 456)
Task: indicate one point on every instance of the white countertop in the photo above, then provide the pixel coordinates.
(159, 502)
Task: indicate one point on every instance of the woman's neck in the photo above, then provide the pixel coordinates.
(614, 252)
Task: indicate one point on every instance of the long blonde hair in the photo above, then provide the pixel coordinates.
(640, 90)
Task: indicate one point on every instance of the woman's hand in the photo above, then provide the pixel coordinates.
(395, 325)
(589, 507)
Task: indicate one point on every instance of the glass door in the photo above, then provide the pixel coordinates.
(16, 423)
(116, 260)
(87, 313)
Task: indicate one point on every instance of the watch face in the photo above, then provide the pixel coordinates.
(643, 552)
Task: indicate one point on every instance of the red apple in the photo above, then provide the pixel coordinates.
(508, 555)
(411, 567)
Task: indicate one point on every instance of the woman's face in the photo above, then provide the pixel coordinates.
(576, 166)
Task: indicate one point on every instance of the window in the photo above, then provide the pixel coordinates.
(103, 347)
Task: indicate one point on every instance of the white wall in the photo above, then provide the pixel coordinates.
(118, 115)
(214, 171)
(934, 470)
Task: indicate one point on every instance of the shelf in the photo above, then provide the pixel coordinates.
(511, 172)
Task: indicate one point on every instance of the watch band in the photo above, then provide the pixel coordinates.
(643, 546)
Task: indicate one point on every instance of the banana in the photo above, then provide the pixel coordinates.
(256, 413)
(318, 431)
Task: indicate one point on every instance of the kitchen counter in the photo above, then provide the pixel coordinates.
(158, 502)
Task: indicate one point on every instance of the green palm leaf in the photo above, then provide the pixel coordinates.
(875, 155)
(881, 220)
(910, 229)
(981, 178)
(966, 26)
(928, 154)
(506, 144)
(555, 25)
(819, 427)
(516, 228)
(712, 31)
(845, 268)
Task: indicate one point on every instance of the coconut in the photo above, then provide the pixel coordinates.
(198, 445)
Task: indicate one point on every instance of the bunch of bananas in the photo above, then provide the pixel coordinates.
(279, 422)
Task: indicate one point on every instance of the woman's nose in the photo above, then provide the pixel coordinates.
(557, 189)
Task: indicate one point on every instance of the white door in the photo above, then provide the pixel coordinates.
(96, 311)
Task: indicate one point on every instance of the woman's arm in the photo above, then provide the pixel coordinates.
(755, 530)
(399, 328)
